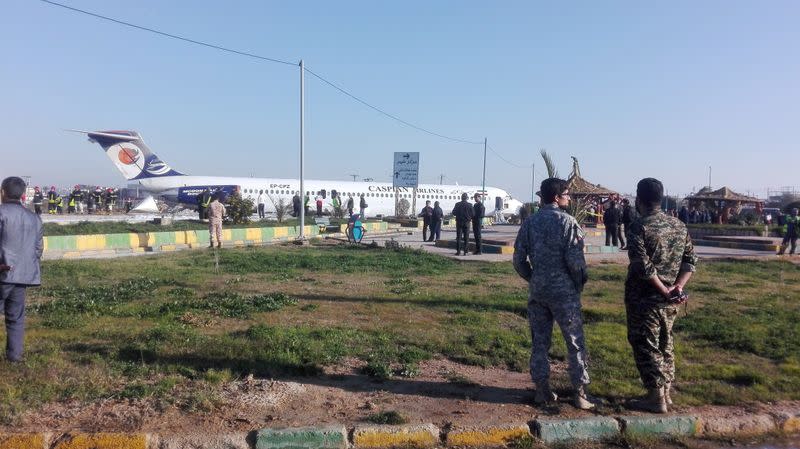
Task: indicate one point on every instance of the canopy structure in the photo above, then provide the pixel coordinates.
(581, 189)
(724, 202)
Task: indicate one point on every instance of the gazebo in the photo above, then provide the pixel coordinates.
(581, 189)
(724, 202)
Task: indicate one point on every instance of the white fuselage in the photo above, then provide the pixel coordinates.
(379, 196)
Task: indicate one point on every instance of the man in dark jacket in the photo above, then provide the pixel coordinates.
(21, 246)
(426, 214)
(628, 214)
(203, 200)
(350, 205)
(436, 222)
(477, 220)
(463, 212)
(296, 205)
(38, 199)
(611, 219)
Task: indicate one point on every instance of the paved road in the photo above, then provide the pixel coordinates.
(413, 239)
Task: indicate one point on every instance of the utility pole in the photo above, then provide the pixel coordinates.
(354, 177)
(441, 179)
(709, 177)
(483, 184)
(302, 236)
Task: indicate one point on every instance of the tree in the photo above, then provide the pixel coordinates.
(402, 207)
(281, 208)
(239, 209)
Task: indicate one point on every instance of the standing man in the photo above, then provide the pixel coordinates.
(21, 246)
(318, 201)
(790, 232)
(611, 219)
(477, 221)
(38, 199)
(350, 205)
(216, 210)
(52, 198)
(436, 222)
(463, 212)
(296, 205)
(662, 260)
(426, 214)
(203, 200)
(362, 205)
(97, 195)
(262, 201)
(628, 215)
(548, 253)
(77, 194)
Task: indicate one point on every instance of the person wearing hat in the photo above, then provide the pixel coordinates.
(463, 212)
(477, 220)
(77, 196)
(216, 210)
(52, 197)
(38, 199)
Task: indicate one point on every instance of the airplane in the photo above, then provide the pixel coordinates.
(133, 158)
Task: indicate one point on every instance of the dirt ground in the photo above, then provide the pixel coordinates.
(445, 393)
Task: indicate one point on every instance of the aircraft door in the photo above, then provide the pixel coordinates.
(498, 203)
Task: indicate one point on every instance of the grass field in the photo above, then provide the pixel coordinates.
(174, 327)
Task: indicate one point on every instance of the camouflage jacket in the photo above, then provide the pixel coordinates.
(658, 245)
(548, 253)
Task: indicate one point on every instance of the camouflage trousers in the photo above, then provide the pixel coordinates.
(650, 336)
(567, 313)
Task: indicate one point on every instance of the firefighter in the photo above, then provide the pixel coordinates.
(51, 200)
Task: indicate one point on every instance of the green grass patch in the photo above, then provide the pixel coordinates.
(173, 329)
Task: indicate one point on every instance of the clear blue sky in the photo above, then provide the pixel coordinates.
(632, 89)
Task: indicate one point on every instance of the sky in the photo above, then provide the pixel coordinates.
(631, 89)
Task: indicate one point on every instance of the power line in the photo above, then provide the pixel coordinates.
(173, 36)
(393, 117)
(506, 160)
(265, 58)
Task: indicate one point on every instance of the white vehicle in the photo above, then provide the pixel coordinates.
(136, 162)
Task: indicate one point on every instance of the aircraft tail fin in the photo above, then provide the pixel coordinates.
(130, 154)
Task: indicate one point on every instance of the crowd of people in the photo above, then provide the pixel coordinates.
(77, 201)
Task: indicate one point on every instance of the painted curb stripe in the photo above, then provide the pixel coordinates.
(560, 430)
(426, 435)
(662, 425)
(331, 437)
(102, 441)
(490, 436)
(24, 441)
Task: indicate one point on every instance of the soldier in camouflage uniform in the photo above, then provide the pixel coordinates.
(548, 253)
(662, 260)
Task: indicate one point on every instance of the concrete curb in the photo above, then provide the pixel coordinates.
(487, 436)
(738, 425)
(736, 422)
(103, 441)
(331, 437)
(231, 441)
(25, 441)
(423, 435)
(661, 425)
(561, 430)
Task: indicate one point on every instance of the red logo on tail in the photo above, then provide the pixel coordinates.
(128, 156)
